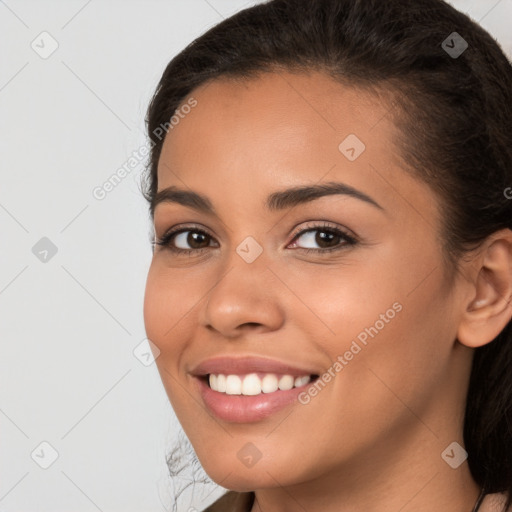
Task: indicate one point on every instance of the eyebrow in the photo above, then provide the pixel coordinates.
(280, 200)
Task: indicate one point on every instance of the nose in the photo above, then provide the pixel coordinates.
(245, 298)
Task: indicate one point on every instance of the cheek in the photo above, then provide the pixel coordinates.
(162, 314)
(341, 300)
(169, 296)
(155, 306)
(164, 317)
(389, 319)
(171, 301)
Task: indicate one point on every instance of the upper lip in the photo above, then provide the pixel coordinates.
(243, 365)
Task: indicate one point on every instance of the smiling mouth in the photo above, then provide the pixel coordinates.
(252, 384)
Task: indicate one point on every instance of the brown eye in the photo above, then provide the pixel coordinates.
(323, 239)
(188, 241)
(327, 239)
(194, 240)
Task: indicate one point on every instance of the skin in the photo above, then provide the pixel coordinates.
(400, 402)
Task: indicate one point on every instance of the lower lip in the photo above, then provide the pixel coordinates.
(247, 409)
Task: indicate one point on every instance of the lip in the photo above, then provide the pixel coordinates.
(243, 365)
(246, 409)
(241, 408)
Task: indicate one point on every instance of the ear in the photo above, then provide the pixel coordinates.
(489, 308)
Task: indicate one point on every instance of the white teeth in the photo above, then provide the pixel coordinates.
(221, 383)
(299, 381)
(269, 384)
(251, 384)
(233, 385)
(286, 382)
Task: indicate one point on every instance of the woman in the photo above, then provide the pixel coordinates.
(331, 283)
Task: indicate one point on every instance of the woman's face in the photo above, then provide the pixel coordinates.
(349, 287)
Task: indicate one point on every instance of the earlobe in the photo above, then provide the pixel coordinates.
(490, 308)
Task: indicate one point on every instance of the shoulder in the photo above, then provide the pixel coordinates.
(232, 502)
(495, 503)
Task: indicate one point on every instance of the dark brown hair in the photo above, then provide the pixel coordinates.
(453, 114)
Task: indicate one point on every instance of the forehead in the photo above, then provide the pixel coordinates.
(313, 97)
(276, 116)
(248, 138)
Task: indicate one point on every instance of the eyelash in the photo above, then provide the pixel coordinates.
(166, 239)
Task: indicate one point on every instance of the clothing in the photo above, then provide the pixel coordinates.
(232, 501)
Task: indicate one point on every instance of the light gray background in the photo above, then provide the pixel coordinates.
(69, 326)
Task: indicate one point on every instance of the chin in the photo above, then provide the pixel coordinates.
(227, 470)
(242, 483)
